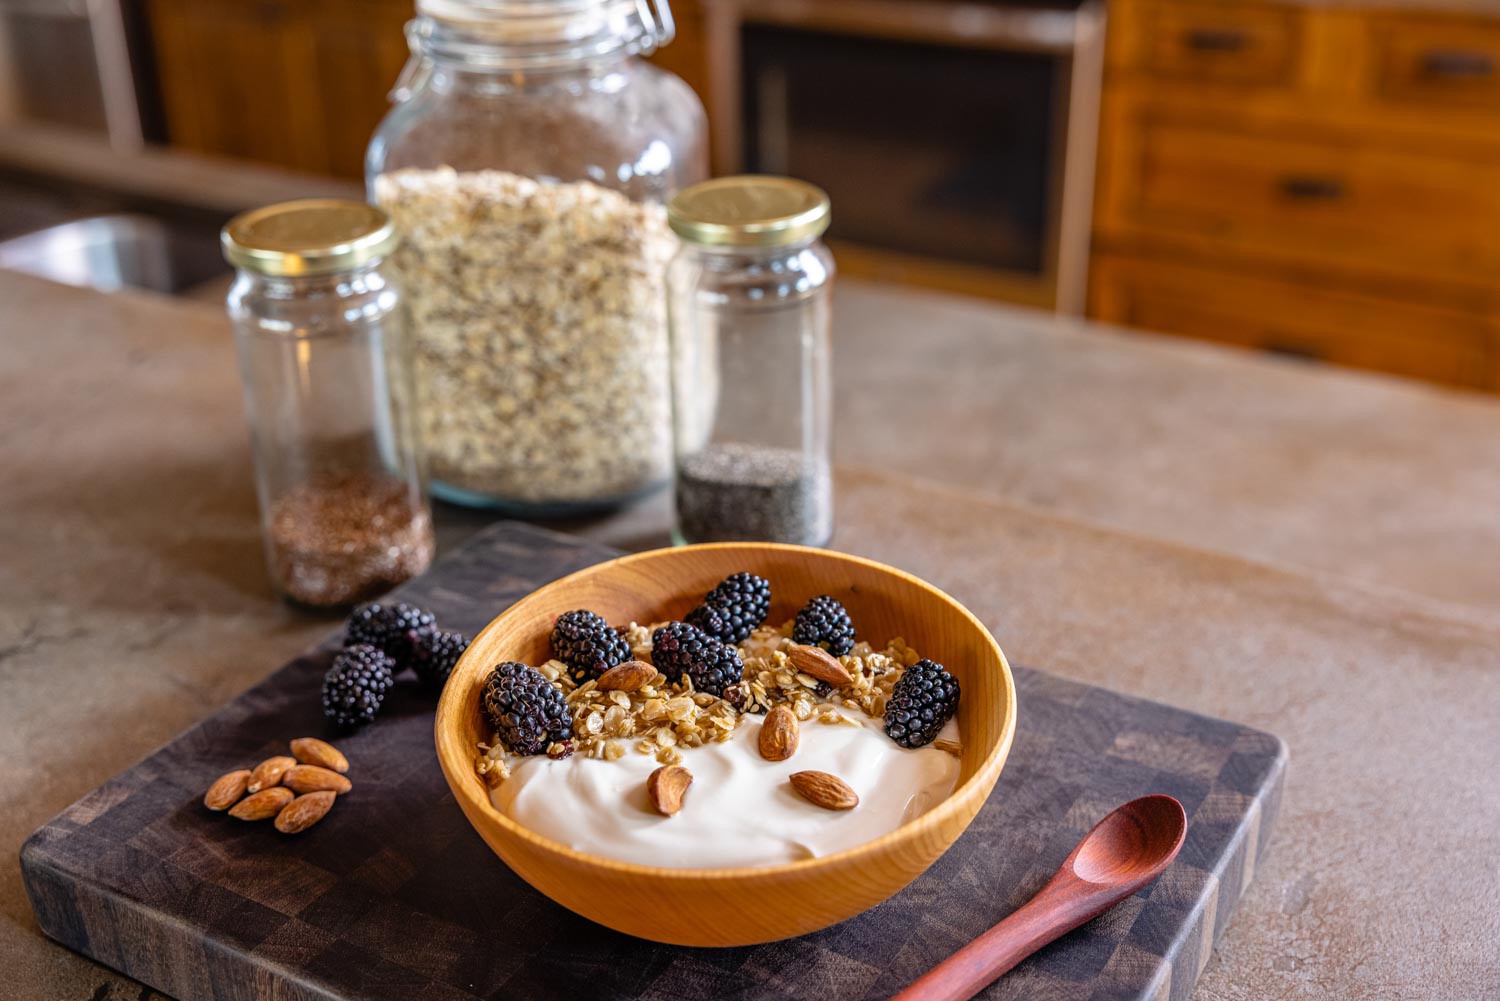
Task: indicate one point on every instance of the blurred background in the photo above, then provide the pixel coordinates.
(1301, 178)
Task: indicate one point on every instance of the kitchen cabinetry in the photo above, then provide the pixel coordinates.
(303, 83)
(1317, 181)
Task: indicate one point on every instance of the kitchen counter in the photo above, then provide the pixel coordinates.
(1295, 549)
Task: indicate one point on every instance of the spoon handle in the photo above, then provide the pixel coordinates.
(1049, 915)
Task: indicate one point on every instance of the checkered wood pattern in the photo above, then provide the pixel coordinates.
(395, 896)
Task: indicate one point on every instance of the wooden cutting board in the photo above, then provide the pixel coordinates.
(395, 897)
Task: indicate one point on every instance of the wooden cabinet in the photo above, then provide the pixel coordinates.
(303, 83)
(1297, 320)
(1312, 180)
(291, 82)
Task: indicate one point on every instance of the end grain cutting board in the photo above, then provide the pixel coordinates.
(395, 897)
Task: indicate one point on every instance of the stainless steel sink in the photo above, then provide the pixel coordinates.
(112, 252)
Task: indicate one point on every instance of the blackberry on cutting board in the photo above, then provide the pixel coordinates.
(587, 644)
(355, 685)
(742, 601)
(526, 710)
(397, 629)
(679, 648)
(923, 699)
(824, 622)
(436, 654)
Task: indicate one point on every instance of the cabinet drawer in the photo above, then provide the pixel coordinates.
(1314, 198)
(1236, 43)
(1295, 319)
(1436, 60)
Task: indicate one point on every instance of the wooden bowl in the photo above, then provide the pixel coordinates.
(736, 906)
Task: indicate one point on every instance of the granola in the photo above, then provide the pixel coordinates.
(539, 337)
(662, 718)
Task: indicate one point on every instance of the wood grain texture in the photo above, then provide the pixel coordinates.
(731, 907)
(395, 897)
(1306, 149)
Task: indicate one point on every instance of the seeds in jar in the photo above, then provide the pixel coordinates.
(538, 332)
(339, 539)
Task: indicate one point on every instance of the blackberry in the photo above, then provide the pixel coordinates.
(587, 644)
(355, 685)
(742, 601)
(435, 656)
(824, 622)
(397, 629)
(923, 699)
(709, 619)
(678, 648)
(525, 709)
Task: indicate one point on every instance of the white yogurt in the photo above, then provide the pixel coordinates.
(740, 809)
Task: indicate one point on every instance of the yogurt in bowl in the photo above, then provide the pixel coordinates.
(741, 809)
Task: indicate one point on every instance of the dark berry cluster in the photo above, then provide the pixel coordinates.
(679, 648)
(404, 636)
(355, 686)
(824, 622)
(734, 608)
(922, 700)
(587, 644)
(527, 711)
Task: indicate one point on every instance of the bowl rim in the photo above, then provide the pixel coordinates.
(458, 764)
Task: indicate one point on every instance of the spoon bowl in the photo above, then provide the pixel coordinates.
(1135, 841)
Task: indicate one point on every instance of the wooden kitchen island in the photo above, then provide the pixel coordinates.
(1305, 551)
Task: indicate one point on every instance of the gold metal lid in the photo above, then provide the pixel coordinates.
(749, 210)
(314, 236)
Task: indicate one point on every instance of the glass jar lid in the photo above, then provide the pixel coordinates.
(749, 210)
(313, 236)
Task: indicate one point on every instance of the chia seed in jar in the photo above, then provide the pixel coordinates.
(734, 492)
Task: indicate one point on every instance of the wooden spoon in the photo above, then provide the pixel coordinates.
(1126, 850)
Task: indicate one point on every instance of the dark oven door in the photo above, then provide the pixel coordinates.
(945, 134)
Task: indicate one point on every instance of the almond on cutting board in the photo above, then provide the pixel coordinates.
(312, 778)
(821, 789)
(626, 677)
(269, 772)
(779, 734)
(227, 790)
(312, 751)
(304, 811)
(263, 805)
(666, 787)
(818, 663)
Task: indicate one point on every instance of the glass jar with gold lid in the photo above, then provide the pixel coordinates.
(748, 307)
(320, 332)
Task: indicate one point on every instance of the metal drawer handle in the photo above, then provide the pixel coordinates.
(1311, 188)
(1293, 349)
(1216, 39)
(1457, 64)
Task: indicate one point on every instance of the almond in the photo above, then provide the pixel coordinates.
(821, 789)
(779, 734)
(269, 772)
(226, 790)
(312, 751)
(304, 811)
(263, 805)
(666, 787)
(820, 664)
(311, 778)
(626, 677)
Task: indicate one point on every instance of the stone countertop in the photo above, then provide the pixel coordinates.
(133, 599)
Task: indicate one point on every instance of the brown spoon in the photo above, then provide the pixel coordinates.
(1126, 850)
